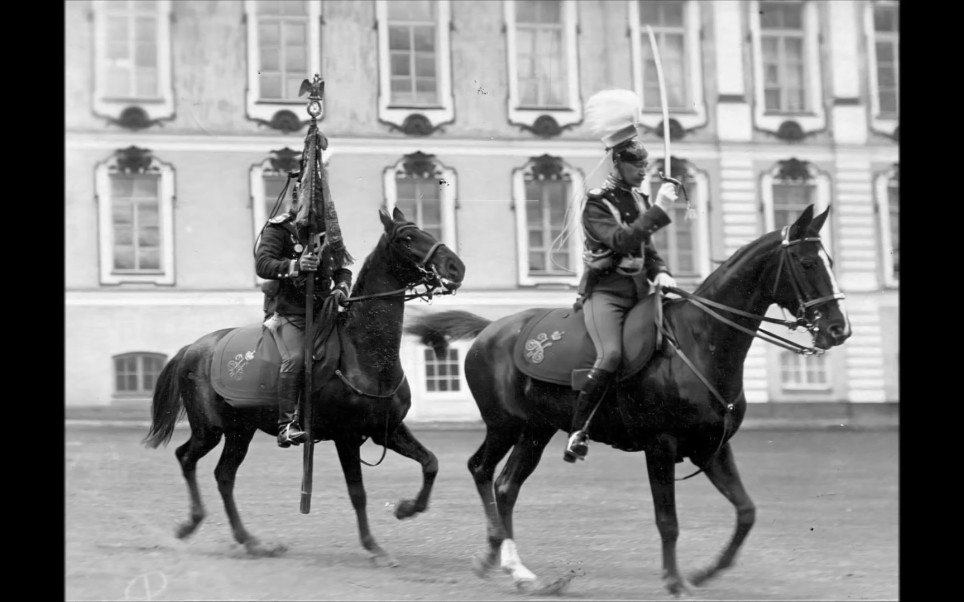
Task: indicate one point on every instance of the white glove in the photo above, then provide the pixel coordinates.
(663, 280)
(666, 196)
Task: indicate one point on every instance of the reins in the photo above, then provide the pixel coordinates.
(431, 280)
(662, 330)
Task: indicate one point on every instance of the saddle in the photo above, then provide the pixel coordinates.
(246, 363)
(554, 345)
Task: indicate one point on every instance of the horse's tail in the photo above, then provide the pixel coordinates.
(436, 330)
(167, 408)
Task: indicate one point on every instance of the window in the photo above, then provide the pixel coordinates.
(798, 372)
(787, 83)
(543, 63)
(135, 202)
(883, 49)
(788, 189)
(425, 191)
(443, 374)
(284, 49)
(676, 27)
(887, 191)
(132, 50)
(135, 374)
(542, 196)
(684, 244)
(415, 70)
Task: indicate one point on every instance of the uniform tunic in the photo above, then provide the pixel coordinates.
(620, 220)
(286, 291)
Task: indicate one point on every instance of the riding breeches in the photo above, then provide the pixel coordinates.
(288, 333)
(604, 314)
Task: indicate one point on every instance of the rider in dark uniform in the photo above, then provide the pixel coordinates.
(621, 264)
(283, 261)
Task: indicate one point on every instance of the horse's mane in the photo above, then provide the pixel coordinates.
(713, 281)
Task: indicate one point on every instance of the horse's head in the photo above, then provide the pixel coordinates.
(804, 284)
(418, 257)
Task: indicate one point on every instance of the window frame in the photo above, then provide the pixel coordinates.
(572, 113)
(825, 366)
(156, 108)
(882, 205)
(448, 196)
(814, 118)
(463, 395)
(822, 200)
(395, 114)
(265, 110)
(139, 356)
(701, 204)
(652, 114)
(576, 239)
(166, 198)
(881, 123)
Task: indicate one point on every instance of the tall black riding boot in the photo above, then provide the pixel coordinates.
(289, 427)
(591, 394)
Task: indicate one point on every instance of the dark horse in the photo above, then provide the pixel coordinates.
(369, 399)
(665, 410)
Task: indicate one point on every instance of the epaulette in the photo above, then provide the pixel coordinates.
(279, 219)
(596, 193)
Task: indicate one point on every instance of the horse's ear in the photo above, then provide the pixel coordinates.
(799, 227)
(386, 221)
(398, 215)
(818, 221)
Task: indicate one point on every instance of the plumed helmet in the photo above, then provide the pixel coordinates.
(613, 115)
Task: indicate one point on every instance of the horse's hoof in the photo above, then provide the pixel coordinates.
(256, 549)
(384, 561)
(700, 577)
(404, 509)
(540, 587)
(481, 565)
(677, 587)
(185, 530)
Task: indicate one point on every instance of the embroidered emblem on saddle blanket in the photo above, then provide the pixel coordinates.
(554, 346)
(245, 366)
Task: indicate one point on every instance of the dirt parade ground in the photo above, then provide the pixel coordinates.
(827, 522)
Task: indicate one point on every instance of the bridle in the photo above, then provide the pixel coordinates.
(428, 275)
(803, 304)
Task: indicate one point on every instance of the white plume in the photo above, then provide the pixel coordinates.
(611, 110)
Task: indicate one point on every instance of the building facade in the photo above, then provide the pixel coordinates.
(183, 118)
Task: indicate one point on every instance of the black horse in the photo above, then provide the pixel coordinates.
(369, 398)
(667, 410)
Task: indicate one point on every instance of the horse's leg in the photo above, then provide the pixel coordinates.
(722, 472)
(201, 442)
(404, 442)
(661, 465)
(349, 455)
(498, 441)
(522, 461)
(236, 444)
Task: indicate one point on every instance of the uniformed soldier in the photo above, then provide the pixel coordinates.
(282, 260)
(621, 265)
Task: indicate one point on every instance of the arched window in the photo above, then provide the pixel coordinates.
(542, 194)
(788, 189)
(135, 206)
(424, 190)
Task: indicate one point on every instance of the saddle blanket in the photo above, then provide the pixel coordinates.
(554, 346)
(244, 369)
(245, 366)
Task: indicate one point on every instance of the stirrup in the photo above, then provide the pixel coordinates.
(577, 447)
(286, 439)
